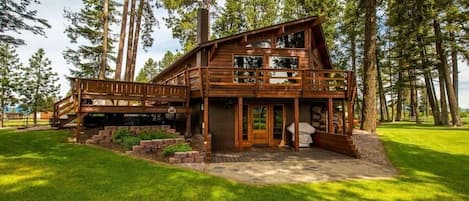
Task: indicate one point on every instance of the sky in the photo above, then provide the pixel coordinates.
(56, 41)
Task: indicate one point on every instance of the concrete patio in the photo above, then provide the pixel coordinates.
(273, 166)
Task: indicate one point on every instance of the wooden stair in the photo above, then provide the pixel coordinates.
(64, 112)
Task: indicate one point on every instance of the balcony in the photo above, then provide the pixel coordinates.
(266, 83)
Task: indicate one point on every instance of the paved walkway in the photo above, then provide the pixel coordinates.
(285, 166)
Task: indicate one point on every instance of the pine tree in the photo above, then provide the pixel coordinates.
(9, 63)
(149, 70)
(182, 20)
(38, 82)
(369, 69)
(15, 16)
(87, 27)
(168, 58)
(230, 19)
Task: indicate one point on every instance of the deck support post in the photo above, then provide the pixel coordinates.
(207, 139)
(78, 127)
(330, 116)
(297, 124)
(239, 135)
(350, 117)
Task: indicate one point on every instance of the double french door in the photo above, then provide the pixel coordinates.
(263, 124)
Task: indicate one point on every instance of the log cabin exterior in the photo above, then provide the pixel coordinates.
(240, 91)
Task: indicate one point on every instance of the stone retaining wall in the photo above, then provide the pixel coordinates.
(105, 136)
(157, 145)
(186, 157)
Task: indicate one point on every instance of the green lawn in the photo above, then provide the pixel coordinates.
(434, 165)
(22, 122)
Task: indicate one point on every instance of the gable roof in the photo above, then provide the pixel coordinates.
(316, 19)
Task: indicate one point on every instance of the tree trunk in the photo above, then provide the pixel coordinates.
(135, 43)
(456, 119)
(383, 109)
(454, 63)
(2, 110)
(120, 52)
(413, 109)
(370, 70)
(353, 53)
(102, 69)
(130, 41)
(430, 89)
(399, 95)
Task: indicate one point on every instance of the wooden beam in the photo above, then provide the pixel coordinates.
(330, 116)
(350, 117)
(297, 124)
(78, 127)
(244, 40)
(129, 109)
(240, 122)
(281, 30)
(205, 122)
(212, 51)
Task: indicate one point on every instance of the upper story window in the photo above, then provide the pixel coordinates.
(286, 76)
(248, 61)
(266, 43)
(293, 40)
(283, 62)
(248, 75)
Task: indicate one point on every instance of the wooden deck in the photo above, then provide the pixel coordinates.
(265, 83)
(103, 96)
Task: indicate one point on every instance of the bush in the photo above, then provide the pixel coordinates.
(170, 150)
(150, 135)
(129, 141)
(120, 134)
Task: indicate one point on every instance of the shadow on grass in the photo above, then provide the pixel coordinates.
(75, 172)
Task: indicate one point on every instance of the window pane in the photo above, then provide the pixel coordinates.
(248, 62)
(259, 117)
(245, 122)
(267, 43)
(283, 63)
(294, 40)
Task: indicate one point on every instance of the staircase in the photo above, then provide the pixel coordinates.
(64, 112)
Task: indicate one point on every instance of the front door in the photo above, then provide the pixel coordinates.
(259, 124)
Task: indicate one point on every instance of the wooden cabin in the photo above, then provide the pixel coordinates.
(241, 91)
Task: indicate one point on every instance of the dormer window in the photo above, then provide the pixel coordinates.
(267, 43)
(293, 40)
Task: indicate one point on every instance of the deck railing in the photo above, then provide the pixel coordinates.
(128, 89)
(270, 81)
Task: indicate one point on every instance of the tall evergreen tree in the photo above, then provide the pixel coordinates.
(16, 16)
(369, 68)
(87, 27)
(9, 63)
(149, 70)
(38, 83)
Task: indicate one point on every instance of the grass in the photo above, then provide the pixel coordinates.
(22, 122)
(40, 165)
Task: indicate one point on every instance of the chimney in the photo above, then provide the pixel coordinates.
(202, 25)
(202, 36)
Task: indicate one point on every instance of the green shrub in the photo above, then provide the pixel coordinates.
(129, 141)
(120, 134)
(150, 135)
(170, 150)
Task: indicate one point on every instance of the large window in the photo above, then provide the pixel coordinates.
(283, 62)
(293, 40)
(249, 63)
(283, 77)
